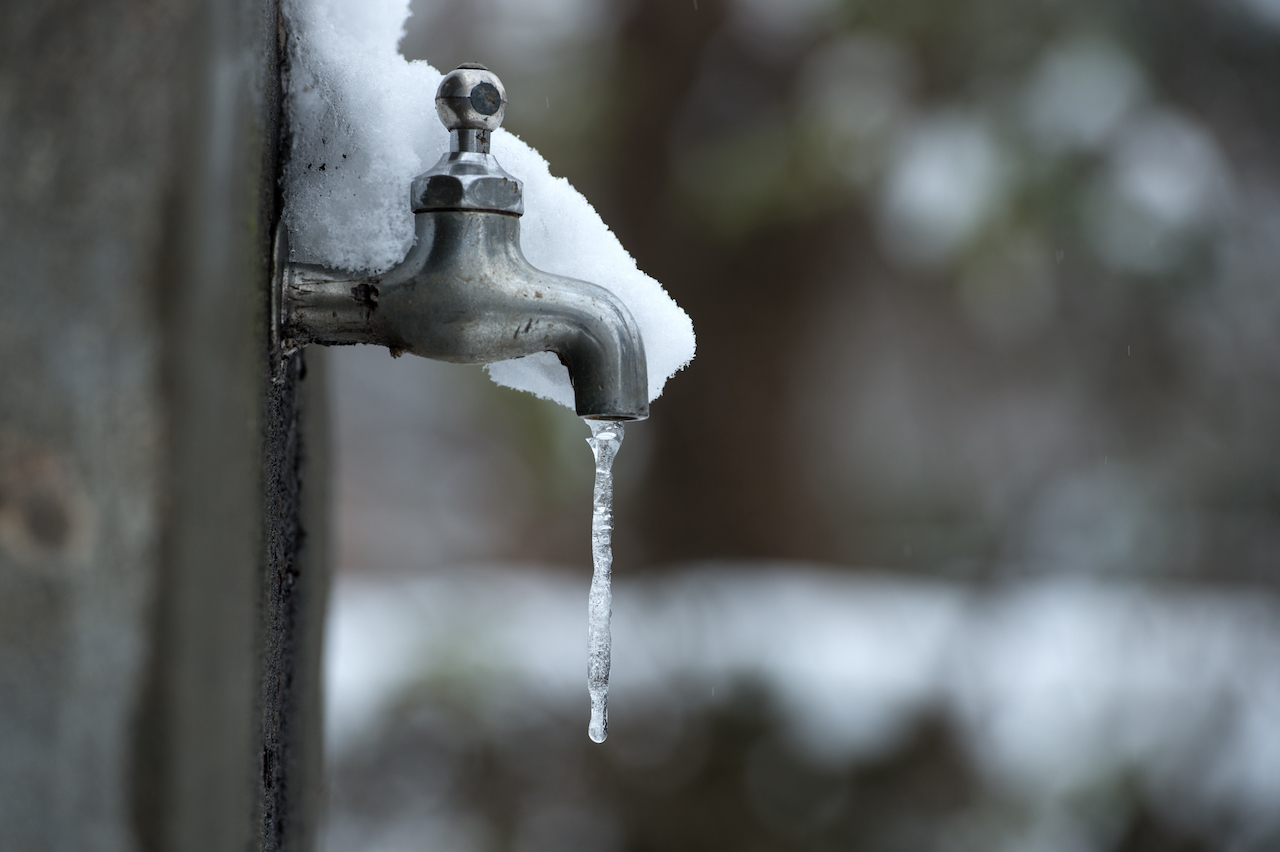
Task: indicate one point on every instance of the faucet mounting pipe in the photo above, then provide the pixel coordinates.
(465, 292)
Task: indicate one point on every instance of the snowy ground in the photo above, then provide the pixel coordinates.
(1053, 685)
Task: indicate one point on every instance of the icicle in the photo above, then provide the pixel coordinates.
(606, 438)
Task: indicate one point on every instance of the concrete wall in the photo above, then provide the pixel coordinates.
(161, 511)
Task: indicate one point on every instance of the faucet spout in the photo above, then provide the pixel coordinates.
(478, 300)
(465, 292)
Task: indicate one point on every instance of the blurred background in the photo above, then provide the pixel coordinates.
(962, 530)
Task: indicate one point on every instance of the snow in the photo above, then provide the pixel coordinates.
(363, 123)
(1053, 685)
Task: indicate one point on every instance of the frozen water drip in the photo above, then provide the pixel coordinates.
(606, 438)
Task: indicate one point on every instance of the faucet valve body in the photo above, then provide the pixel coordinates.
(465, 292)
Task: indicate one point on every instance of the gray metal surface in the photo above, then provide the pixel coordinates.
(162, 577)
(467, 180)
(465, 292)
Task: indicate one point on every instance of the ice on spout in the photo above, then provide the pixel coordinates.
(605, 440)
(363, 124)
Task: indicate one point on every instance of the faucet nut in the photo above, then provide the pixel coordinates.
(460, 190)
(471, 97)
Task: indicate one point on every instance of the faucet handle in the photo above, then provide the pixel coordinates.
(471, 97)
(471, 101)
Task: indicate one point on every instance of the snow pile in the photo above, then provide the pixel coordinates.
(363, 124)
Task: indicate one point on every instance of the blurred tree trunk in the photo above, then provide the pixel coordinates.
(722, 481)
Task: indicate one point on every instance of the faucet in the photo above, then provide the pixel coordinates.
(465, 292)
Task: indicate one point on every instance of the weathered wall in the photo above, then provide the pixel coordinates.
(161, 579)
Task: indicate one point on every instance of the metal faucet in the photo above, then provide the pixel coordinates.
(465, 292)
